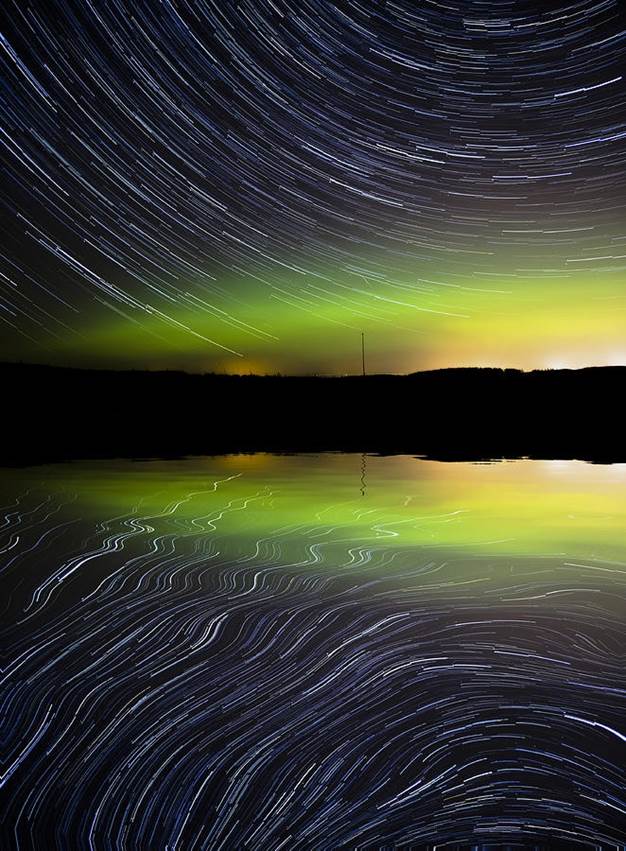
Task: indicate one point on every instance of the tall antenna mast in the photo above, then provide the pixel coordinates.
(363, 351)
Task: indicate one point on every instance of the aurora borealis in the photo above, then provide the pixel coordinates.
(269, 610)
(246, 186)
(282, 652)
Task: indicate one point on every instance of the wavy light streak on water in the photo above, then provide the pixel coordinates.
(313, 652)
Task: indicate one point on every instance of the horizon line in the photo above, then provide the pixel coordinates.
(278, 374)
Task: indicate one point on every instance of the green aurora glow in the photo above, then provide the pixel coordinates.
(311, 324)
(567, 510)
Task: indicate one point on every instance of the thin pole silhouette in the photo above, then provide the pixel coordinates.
(363, 351)
(363, 487)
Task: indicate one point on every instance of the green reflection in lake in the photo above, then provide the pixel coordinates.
(335, 502)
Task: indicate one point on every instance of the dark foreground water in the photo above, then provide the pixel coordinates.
(313, 652)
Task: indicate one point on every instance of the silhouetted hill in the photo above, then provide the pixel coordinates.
(53, 413)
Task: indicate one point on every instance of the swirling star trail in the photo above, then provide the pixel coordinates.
(229, 654)
(311, 652)
(245, 186)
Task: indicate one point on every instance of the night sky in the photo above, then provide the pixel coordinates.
(248, 186)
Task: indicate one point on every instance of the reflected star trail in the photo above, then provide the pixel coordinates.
(245, 186)
(222, 653)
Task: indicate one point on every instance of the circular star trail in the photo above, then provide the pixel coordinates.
(237, 183)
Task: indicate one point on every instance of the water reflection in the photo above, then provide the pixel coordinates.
(243, 652)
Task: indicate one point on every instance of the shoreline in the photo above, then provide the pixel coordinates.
(62, 414)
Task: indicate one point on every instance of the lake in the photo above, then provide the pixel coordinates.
(313, 652)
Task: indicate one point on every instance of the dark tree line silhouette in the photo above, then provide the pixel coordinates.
(55, 413)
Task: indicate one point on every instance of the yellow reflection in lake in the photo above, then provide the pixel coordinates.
(522, 508)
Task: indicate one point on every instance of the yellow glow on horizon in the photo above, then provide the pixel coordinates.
(531, 324)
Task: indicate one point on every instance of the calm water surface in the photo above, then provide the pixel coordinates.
(313, 652)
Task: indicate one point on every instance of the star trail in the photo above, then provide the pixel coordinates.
(308, 649)
(245, 653)
(246, 186)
